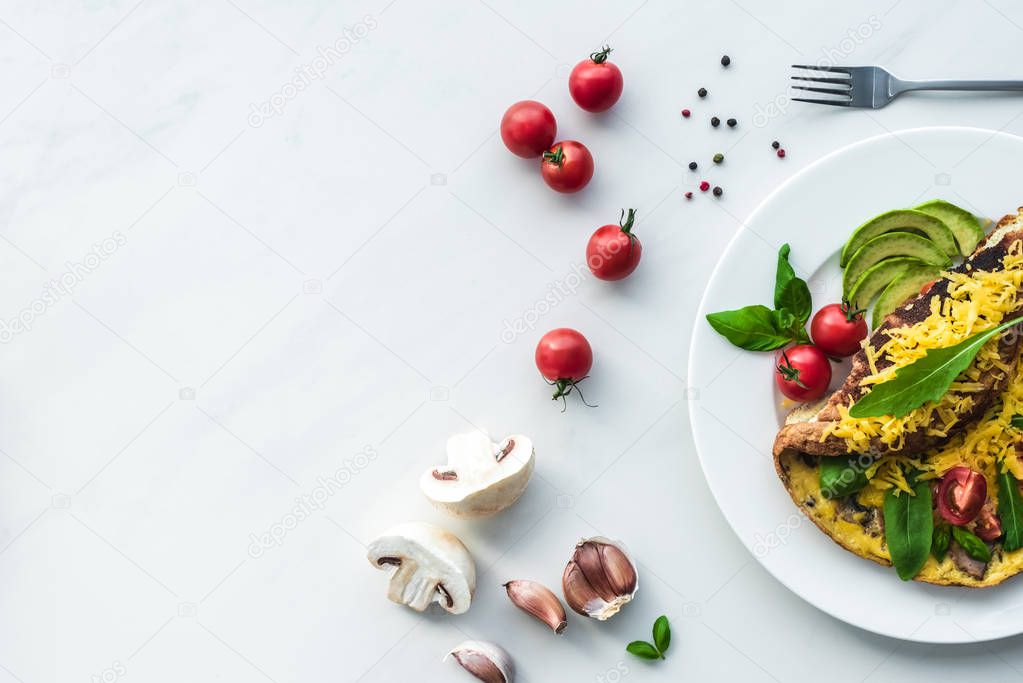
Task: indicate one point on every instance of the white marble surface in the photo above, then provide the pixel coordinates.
(326, 285)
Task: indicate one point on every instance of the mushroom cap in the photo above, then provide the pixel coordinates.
(484, 484)
(428, 564)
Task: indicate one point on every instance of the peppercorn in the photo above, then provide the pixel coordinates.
(718, 191)
(692, 165)
(715, 121)
(689, 195)
(732, 123)
(685, 113)
(704, 186)
(726, 60)
(718, 158)
(775, 144)
(702, 92)
(781, 153)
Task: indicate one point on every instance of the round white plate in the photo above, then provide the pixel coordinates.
(735, 410)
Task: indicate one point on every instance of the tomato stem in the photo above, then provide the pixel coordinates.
(601, 56)
(626, 223)
(557, 157)
(852, 314)
(564, 387)
(788, 372)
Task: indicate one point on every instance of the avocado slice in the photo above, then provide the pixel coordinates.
(886, 246)
(879, 276)
(902, 220)
(964, 225)
(901, 288)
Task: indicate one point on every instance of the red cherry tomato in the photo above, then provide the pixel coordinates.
(613, 252)
(961, 495)
(595, 83)
(528, 128)
(989, 526)
(802, 372)
(838, 330)
(567, 166)
(564, 358)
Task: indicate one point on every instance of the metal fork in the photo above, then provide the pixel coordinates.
(873, 87)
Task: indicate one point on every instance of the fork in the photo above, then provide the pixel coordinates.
(872, 87)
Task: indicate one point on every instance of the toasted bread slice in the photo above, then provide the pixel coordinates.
(805, 429)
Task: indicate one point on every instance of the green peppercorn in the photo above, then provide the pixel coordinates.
(718, 158)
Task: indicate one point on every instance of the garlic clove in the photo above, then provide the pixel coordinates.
(539, 601)
(599, 579)
(485, 660)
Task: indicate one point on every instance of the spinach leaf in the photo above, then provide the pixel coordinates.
(790, 292)
(940, 541)
(754, 328)
(1016, 421)
(840, 477)
(973, 546)
(926, 379)
(1010, 509)
(908, 528)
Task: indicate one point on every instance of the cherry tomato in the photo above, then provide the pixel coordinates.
(528, 128)
(564, 358)
(927, 287)
(613, 252)
(961, 495)
(838, 330)
(989, 527)
(567, 166)
(595, 83)
(802, 372)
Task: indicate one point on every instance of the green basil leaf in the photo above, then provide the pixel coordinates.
(908, 528)
(1017, 421)
(840, 477)
(1010, 509)
(643, 650)
(926, 379)
(754, 328)
(940, 541)
(791, 292)
(662, 634)
(973, 546)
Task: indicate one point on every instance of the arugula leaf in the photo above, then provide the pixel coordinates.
(940, 541)
(1010, 509)
(840, 477)
(754, 328)
(643, 650)
(662, 634)
(908, 529)
(1016, 421)
(790, 292)
(926, 379)
(973, 546)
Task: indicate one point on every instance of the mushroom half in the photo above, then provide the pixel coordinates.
(428, 564)
(481, 477)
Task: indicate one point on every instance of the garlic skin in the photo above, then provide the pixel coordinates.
(485, 660)
(600, 578)
(427, 565)
(539, 601)
(481, 477)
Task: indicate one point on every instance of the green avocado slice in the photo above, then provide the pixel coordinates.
(964, 225)
(879, 276)
(901, 288)
(886, 246)
(901, 220)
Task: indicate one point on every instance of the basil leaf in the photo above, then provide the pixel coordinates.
(662, 634)
(754, 328)
(926, 379)
(1017, 421)
(840, 477)
(796, 329)
(643, 650)
(1010, 509)
(908, 528)
(940, 541)
(973, 546)
(791, 292)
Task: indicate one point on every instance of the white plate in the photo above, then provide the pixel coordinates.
(735, 411)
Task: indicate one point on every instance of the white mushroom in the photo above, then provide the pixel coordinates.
(428, 563)
(481, 477)
(485, 660)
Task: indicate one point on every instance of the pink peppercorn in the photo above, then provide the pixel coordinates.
(686, 113)
(689, 195)
(704, 186)
(781, 153)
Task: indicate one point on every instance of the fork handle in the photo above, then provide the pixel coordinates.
(905, 86)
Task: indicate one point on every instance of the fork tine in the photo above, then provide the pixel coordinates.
(839, 81)
(828, 91)
(837, 69)
(835, 103)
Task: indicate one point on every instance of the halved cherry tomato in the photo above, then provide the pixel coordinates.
(567, 166)
(613, 252)
(528, 128)
(926, 288)
(961, 495)
(989, 526)
(838, 329)
(802, 372)
(595, 83)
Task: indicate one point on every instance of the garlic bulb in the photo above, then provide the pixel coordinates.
(485, 660)
(599, 579)
(538, 600)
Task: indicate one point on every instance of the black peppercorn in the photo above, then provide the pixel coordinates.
(732, 123)
(702, 92)
(692, 165)
(726, 60)
(718, 191)
(775, 144)
(715, 121)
